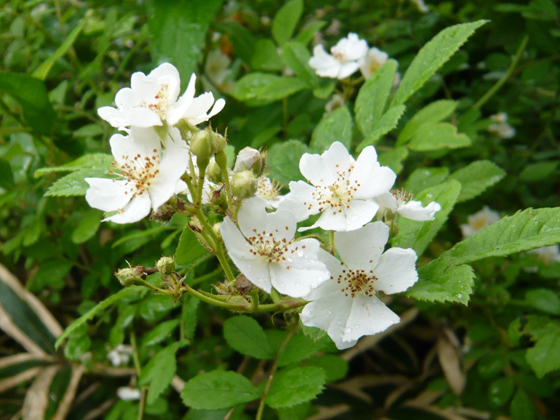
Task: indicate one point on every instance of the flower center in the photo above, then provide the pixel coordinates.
(267, 246)
(402, 196)
(160, 102)
(480, 223)
(267, 189)
(339, 194)
(139, 171)
(355, 282)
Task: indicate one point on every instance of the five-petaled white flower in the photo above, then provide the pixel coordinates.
(400, 202)
(267, 254)
(152, 101)
(479, 220)
(343, 189)
(148, 178)
(347, 306)
(374, 59)
(269, 192)
(344, 60)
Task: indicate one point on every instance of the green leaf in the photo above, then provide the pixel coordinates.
(31, 94)
(265, 57)
(87, 227)
(315, 333)
(300, 347)
(189, 318)
(525, 230)
(431, 57)
(160, 333)
(538, 171)
(280, 88)
(418, 235)
(189, 251)
(284, 160)
(177, 30)
(99, 161)
(286, 20)
(393, 159)
(522, 407)
(442, 281)
(335, 367)
(544, 300)
(43, 70)
(246, 336)
(373, 96)
(242, 39)
(159, 372)
(98, 308)
(74, 184)
(335, 126)
(257, 89)
(544, 356)
(438, 136)
(476, 178)
(423, 178)
(433, 113)
(388, 122)
(6, 175)
(296, 56)
(218, 389)
(308, 32)
(297, 412)
(295, 386)
(500, 391)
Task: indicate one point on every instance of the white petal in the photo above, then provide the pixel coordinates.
(113, 116)
(361, 248)
(282, 224)
(355, 216)
(252, 215)
(335, 269)
(300, 201)
(396, 271)
(254, 268)
(141, 141)
(368, 316)
(373, 179)
(143, 117)
(348, 69)
(324, 169)
(168, 74)
(126, 99)
(108, 194)
(218, 106)
(137, 209)
(414, 210)
(388, 201)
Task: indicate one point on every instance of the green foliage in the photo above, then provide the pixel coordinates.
(335, 126)
(284, 159)
(190, 251)
(295, 386)
(438, 136)
(476, 178)
(544, 356)
(159, 372)
(245, 335)
(386, 123)
(218, 389)
(285, 21)
(433, 113)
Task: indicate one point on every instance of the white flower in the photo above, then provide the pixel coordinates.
(120, 355)
(269, 192)
(479, 220)
(266, 253)
(148, 178)
(501, 129)
(347, 307)
(344, 59)
(421, 6)
(152, 100)
(343, 188)
(373, 60)
(127, 393)
(400, 202)
(547, 254)
(246, 158)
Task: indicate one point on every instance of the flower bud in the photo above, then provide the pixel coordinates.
(216, 229)
(166, 266)
(244, 184)
(202, 148)
(219, 142)
(246, 158)
(213, 172)
(127, 276)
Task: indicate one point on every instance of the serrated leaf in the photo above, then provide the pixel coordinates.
(373, 96)
(438, 136)
(423, 178)
(418, 235)
(246, 336)
(335, 126)
(335, 367)
(476, 177)
(257, 89)
(315, 333)
(177, 30)
(100, 161)
(386, 123)
(393, 158)
(284, 160)
(433, 113)
(544, 356)
(160, 333)
(190, 251)
(522, 407)
(159, 372)
(296, 56)
(280, 88)
(96, 309)
(286, 20)
(218, 389)
(299, 347)
(442, 281)
(295, 386)
(189, 317)
(74, 184)
(544, 300)
(87, 227)
(266, 56)
(431, 57)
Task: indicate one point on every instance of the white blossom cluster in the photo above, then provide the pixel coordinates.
(352, 199)
(347, 56)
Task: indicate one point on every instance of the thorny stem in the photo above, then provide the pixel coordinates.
(506, 76)
(273, 372)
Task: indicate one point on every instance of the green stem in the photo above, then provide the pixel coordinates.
(153, 288)
(505, 77)
(135, 357)
(142, 403)
(207, 276)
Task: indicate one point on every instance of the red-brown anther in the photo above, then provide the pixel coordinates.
(357, 281)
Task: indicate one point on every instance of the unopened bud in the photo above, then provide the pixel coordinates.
(213, 172)
(166, 266)
(244, 184)
(216, 229)
(201, 147)
(127, 276)
(246, 159)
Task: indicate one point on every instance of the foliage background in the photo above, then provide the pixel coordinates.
(63, 60)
